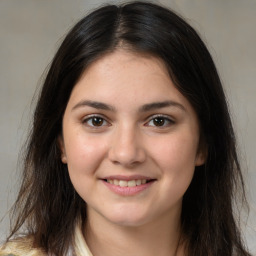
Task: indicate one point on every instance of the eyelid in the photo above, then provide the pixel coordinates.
(160, 115)
(88, 117)
(166, 117)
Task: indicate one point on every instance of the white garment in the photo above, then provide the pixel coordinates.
(80, 246)
(23, 246)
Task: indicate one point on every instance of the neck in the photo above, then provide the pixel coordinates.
(160, 237)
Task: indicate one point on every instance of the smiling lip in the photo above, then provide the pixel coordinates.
(127, 178)
(128, 185)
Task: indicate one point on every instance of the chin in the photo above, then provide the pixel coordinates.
(128, 222)
(128, 218)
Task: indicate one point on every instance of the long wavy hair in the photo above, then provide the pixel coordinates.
(48, 205)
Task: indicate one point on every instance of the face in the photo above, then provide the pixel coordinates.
(130, 140)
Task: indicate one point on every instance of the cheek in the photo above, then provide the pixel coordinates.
(84, 154)
(176, 157)
(177, 163)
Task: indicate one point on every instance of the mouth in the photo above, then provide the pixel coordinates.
(128, 183)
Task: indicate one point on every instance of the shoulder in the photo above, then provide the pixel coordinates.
(20, 247)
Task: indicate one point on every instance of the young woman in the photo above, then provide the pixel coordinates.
(132, 151)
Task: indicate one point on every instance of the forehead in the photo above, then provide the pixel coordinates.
(126, 60)
(123, 77)
(124, 68)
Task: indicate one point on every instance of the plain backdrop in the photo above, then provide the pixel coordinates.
(31, 31)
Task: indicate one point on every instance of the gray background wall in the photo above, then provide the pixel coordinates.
(31, 30)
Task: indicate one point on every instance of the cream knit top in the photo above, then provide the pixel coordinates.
(23, 247)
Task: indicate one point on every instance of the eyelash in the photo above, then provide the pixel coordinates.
(90, 119)
(165, 119)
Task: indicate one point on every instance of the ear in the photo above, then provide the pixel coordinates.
(202, 154)
(62, 149)
(200, 158)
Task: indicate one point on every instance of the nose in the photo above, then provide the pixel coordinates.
(126, 147)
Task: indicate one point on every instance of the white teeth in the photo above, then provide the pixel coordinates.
(130, 183)
(123, 183)
(138, 182)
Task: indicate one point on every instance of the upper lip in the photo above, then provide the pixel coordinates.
(127, 178)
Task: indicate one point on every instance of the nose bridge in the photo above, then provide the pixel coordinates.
(126, 145)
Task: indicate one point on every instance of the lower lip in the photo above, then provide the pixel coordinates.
(128, 191)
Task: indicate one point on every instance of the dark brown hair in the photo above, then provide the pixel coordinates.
(48, 205)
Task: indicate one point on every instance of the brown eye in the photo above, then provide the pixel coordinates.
(95, 121)
(159, 121)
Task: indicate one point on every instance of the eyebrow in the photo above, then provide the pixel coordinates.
(144, 108)
(163, 104)
(93, 104)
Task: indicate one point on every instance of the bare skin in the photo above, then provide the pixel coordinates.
(151, 239)
(131, 143)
